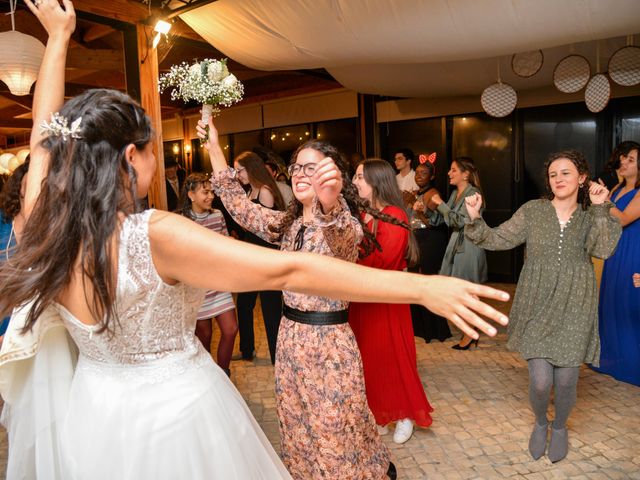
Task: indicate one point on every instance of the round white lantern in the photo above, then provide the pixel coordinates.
(22, 155)
(4, 160)
(20, 61)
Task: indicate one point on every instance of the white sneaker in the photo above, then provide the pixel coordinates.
(404, 430)
(382, 430)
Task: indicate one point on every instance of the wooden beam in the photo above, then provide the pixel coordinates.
(15, 123)
(96, 32)
(25, 101)
(150, 101)
(121, 10)
(191, 6)
(88, 59)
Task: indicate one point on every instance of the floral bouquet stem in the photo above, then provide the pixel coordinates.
(206, 113)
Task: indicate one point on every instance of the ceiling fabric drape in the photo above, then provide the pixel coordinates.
(390, 46)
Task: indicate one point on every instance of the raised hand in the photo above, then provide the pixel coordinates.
(408, 197)
(57, 20)
(459, 301)
(418, 205)
(598, 194)
(211, 141)
(473, 204)
(327, 183)
(213, 137)
(436, 199)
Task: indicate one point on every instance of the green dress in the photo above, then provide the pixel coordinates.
(555, 309)
(462, 259)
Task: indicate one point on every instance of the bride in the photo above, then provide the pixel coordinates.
(145, 400)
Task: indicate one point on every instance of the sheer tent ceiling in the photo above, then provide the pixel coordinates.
(413, 48)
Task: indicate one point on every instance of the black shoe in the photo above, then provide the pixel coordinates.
(391, 472)
(457, 346)
(242, 356)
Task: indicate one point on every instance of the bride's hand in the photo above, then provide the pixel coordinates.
(58, 20)
(459, 301)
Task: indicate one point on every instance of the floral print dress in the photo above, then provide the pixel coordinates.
(327, 430)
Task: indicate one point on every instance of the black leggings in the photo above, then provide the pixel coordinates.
(271, 303)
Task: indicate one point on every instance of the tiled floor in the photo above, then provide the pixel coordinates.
(482, 419)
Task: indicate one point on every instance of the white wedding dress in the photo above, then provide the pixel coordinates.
(147, 401)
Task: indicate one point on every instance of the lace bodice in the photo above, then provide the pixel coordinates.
(155, 320)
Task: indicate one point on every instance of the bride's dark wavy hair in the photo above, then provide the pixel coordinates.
(349, 191)
(89, 183)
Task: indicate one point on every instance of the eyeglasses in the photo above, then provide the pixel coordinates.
(308, 169)
(299, 240)
(239, 169)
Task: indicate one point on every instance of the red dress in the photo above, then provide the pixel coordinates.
(385, 337)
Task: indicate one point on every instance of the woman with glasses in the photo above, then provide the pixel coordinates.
(326, 427)
(252, 173)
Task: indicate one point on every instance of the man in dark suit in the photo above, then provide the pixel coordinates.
(173, 183)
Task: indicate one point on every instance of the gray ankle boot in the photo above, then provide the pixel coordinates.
(559, 444)
(538, 440)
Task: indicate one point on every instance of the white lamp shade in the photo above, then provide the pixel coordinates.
(4, 160)
(22, 155)
(13, 163)
(20, 61)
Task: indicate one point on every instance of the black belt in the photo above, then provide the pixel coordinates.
(316, 318)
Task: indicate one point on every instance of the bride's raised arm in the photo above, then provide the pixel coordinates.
(59, 21)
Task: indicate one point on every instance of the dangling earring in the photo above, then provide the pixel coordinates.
(581, 185)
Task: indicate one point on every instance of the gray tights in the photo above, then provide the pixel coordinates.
(542, 376)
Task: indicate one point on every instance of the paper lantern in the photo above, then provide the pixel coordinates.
(4, 160)
(13, 163)
(597, 93)
(22, 155)
(499, 99)
(20, 61)
(572, 74)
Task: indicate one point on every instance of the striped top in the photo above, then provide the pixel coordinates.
(214, 220)
(214, 303)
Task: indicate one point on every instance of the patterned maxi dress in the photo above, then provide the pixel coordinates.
(555, 309)
(327, 430)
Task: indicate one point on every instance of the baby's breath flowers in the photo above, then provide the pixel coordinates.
(207, 82)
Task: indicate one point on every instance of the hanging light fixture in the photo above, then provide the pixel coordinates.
(21, 58)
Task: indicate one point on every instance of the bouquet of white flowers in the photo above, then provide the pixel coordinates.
(207, 82)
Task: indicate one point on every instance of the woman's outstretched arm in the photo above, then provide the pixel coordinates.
(185, 252)
(59, 22)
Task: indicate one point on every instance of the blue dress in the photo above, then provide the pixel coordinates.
(7, 242)
(620, 304)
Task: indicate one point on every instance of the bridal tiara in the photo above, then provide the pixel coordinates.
(59, 127)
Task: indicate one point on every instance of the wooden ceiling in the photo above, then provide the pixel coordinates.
(96, 59)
